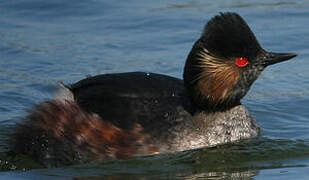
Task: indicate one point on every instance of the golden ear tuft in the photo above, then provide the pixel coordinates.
(217, 78)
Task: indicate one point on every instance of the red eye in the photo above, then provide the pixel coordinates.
(242, 62)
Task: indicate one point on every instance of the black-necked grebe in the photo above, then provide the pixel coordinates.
(136, 114)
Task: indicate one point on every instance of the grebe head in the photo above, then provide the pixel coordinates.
(224, 63)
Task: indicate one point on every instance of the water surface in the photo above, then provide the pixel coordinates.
(43, 43)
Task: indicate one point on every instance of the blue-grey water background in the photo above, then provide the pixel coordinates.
(45, 42)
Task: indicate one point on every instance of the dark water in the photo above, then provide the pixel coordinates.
(44, 42)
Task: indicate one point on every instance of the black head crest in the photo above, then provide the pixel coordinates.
(228, 35)
(224, 62)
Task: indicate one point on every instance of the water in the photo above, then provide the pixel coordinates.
(44, 42)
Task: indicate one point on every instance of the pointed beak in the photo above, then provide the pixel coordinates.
(273, 58)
